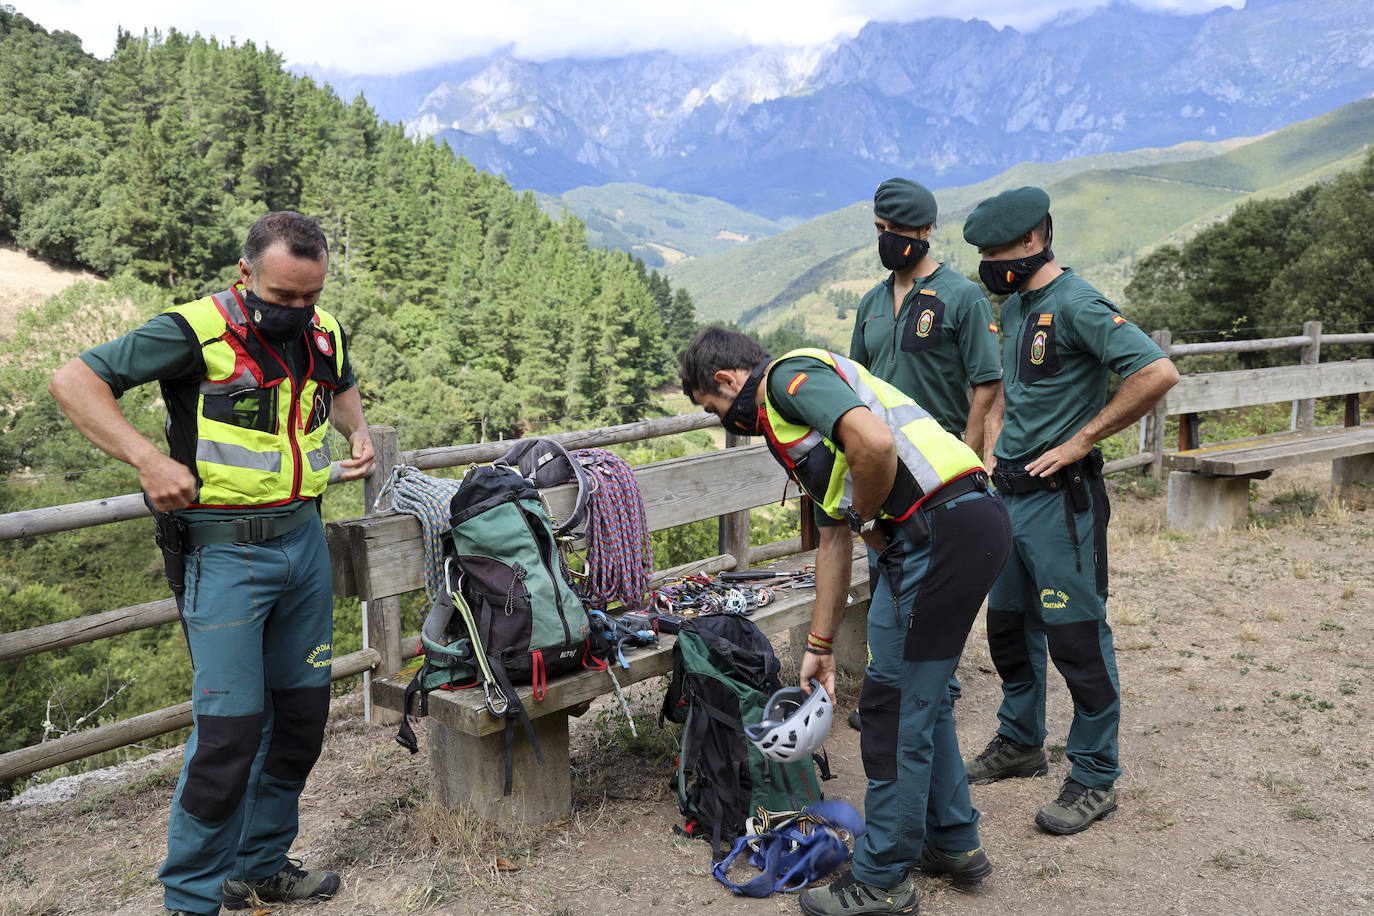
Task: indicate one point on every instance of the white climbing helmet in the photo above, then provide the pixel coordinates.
(794, 723)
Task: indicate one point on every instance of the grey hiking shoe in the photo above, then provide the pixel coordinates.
(1003, 758)
(292, 884)
(846, 896)
(1076, 808)
(965, 868)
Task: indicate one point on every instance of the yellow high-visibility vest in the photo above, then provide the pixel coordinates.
(932, 456)
(247, 434)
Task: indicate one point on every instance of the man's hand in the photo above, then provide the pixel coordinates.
(820, 667)
(169, 484)
(1060, 456)
(360, 446)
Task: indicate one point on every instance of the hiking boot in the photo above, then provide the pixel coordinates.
(167, 912)
(847, 895)
(292, 884)
(965, 868)
(1004, 757)
(854, 720)
(1076, 808)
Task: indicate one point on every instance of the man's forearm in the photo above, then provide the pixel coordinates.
(834, 565)
(1138, 393)
(91, 406)
(975, 426)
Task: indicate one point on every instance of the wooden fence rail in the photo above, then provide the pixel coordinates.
(53, 519)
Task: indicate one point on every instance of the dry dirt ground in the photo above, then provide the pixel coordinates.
(26, 282)
(1247, 671)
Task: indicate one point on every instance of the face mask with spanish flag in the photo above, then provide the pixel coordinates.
(1002, 277)
(898, 252)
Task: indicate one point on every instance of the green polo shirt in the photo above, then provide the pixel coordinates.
(1060, 344)
(941, 341)
(159, 351)
(818, 402)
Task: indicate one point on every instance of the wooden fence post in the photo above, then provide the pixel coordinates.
(382, 616)
(1154, 420)
(734, 528)
(1305, 412)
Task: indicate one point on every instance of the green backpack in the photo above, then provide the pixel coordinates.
(506, 613)
(724, 672)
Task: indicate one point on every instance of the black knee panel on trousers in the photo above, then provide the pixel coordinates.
(1007, 643)
(218, 773)
(298, 719)
(880, 710)
(1078, 656)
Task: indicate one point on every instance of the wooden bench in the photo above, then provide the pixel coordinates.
(1209, 486)
(380, 557)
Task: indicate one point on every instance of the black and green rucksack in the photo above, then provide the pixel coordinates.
(724, 671)
(506, 613)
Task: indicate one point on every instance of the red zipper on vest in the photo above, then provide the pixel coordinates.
(294, 420)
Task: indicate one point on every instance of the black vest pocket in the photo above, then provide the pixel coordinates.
(1039, 356)
(247, 408)
(925, 322)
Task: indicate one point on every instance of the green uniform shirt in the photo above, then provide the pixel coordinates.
(1060, 344)
(941, 341)
(818, 402)
(159, 351)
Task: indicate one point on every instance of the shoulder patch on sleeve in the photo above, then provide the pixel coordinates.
(796, 383)
(1117, 319)
(992, 326)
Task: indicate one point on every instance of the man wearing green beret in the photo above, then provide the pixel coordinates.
(1062, 339)
(926, 328)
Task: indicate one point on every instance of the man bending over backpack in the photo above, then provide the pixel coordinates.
(872, 458)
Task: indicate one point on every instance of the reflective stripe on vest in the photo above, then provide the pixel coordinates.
(928, 452)
(252, 447)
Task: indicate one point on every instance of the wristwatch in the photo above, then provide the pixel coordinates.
(857, 524)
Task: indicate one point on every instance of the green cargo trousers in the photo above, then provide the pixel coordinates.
(1051, 601)
(259, 622)
(924, 600)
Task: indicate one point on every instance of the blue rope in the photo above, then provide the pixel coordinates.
(427, 498)
(620, 558)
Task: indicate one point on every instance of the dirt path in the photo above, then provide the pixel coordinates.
(1247, 666)
(26, 282)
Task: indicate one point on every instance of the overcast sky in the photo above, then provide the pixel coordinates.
(394, 36)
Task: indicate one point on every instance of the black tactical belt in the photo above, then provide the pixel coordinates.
(962, 486)
(250, 530)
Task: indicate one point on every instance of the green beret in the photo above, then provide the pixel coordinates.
(905, 203)
(1005, 218)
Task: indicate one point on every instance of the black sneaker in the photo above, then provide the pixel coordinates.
(1003, 758)
(847, 896)
(1076, 808)
(292, 884)
(965, 869)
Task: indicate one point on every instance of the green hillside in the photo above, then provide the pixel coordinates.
(662, 227)
(1108, 211)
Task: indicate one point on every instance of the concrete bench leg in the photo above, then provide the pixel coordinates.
(1198, 503)
(470, 771)
(1346, 473)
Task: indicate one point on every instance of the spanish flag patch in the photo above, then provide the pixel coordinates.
(796, 383)
(992, 326)
(1117, 319)
(1045, 320)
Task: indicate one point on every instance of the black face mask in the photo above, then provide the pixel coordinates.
(277, 323)
(742, 418)
(898, 252)
(1002, 277)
